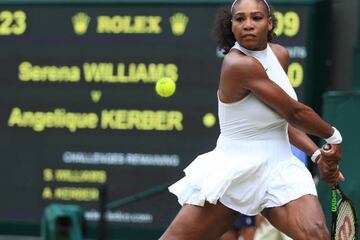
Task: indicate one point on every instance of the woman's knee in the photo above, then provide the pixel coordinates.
(317, 231)
(301, 219)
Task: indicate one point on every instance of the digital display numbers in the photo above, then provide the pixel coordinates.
(291, 31)
(78, 106)
(288, 26)
(288, 23)
(12, 23)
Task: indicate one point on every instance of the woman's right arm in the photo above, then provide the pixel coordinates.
(250, 75)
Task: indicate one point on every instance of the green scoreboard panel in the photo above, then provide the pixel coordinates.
(78, 107)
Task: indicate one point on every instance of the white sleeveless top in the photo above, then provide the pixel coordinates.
(250, 118)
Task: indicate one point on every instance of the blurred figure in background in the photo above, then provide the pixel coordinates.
(243, 228)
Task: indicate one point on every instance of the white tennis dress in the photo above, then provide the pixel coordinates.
(252, 166)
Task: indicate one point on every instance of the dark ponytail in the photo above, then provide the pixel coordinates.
(222, 32)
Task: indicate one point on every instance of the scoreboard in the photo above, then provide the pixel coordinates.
(78, 107)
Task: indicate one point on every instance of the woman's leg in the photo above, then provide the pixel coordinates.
(300, 219)
(200, 223)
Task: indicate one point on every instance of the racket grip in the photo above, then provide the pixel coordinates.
(333, 199)
(327, 148)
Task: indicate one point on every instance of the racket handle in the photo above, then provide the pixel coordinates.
(327, 148)
(333, 199)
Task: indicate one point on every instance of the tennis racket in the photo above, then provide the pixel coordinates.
(344, 222)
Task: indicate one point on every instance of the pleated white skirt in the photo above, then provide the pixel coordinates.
(246, 176)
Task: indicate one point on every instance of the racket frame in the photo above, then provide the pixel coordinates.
(336, 190)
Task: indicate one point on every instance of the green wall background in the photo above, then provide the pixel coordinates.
(342, 109)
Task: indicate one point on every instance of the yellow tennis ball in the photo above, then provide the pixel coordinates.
(165, 87)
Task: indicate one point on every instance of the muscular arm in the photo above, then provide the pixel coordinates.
(254, 78)
(296, 137)
(301, 140)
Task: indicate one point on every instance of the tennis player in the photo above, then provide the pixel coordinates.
(252, 169)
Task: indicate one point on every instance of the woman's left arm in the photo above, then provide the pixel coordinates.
(302, 141)
(296, 137)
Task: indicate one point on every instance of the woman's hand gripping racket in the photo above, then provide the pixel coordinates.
(344, 222)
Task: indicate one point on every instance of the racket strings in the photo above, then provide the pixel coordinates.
(345, 224)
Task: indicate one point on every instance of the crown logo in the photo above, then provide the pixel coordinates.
(178, 23)
(80, 23)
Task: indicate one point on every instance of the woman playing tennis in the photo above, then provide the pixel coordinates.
(252, 169)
